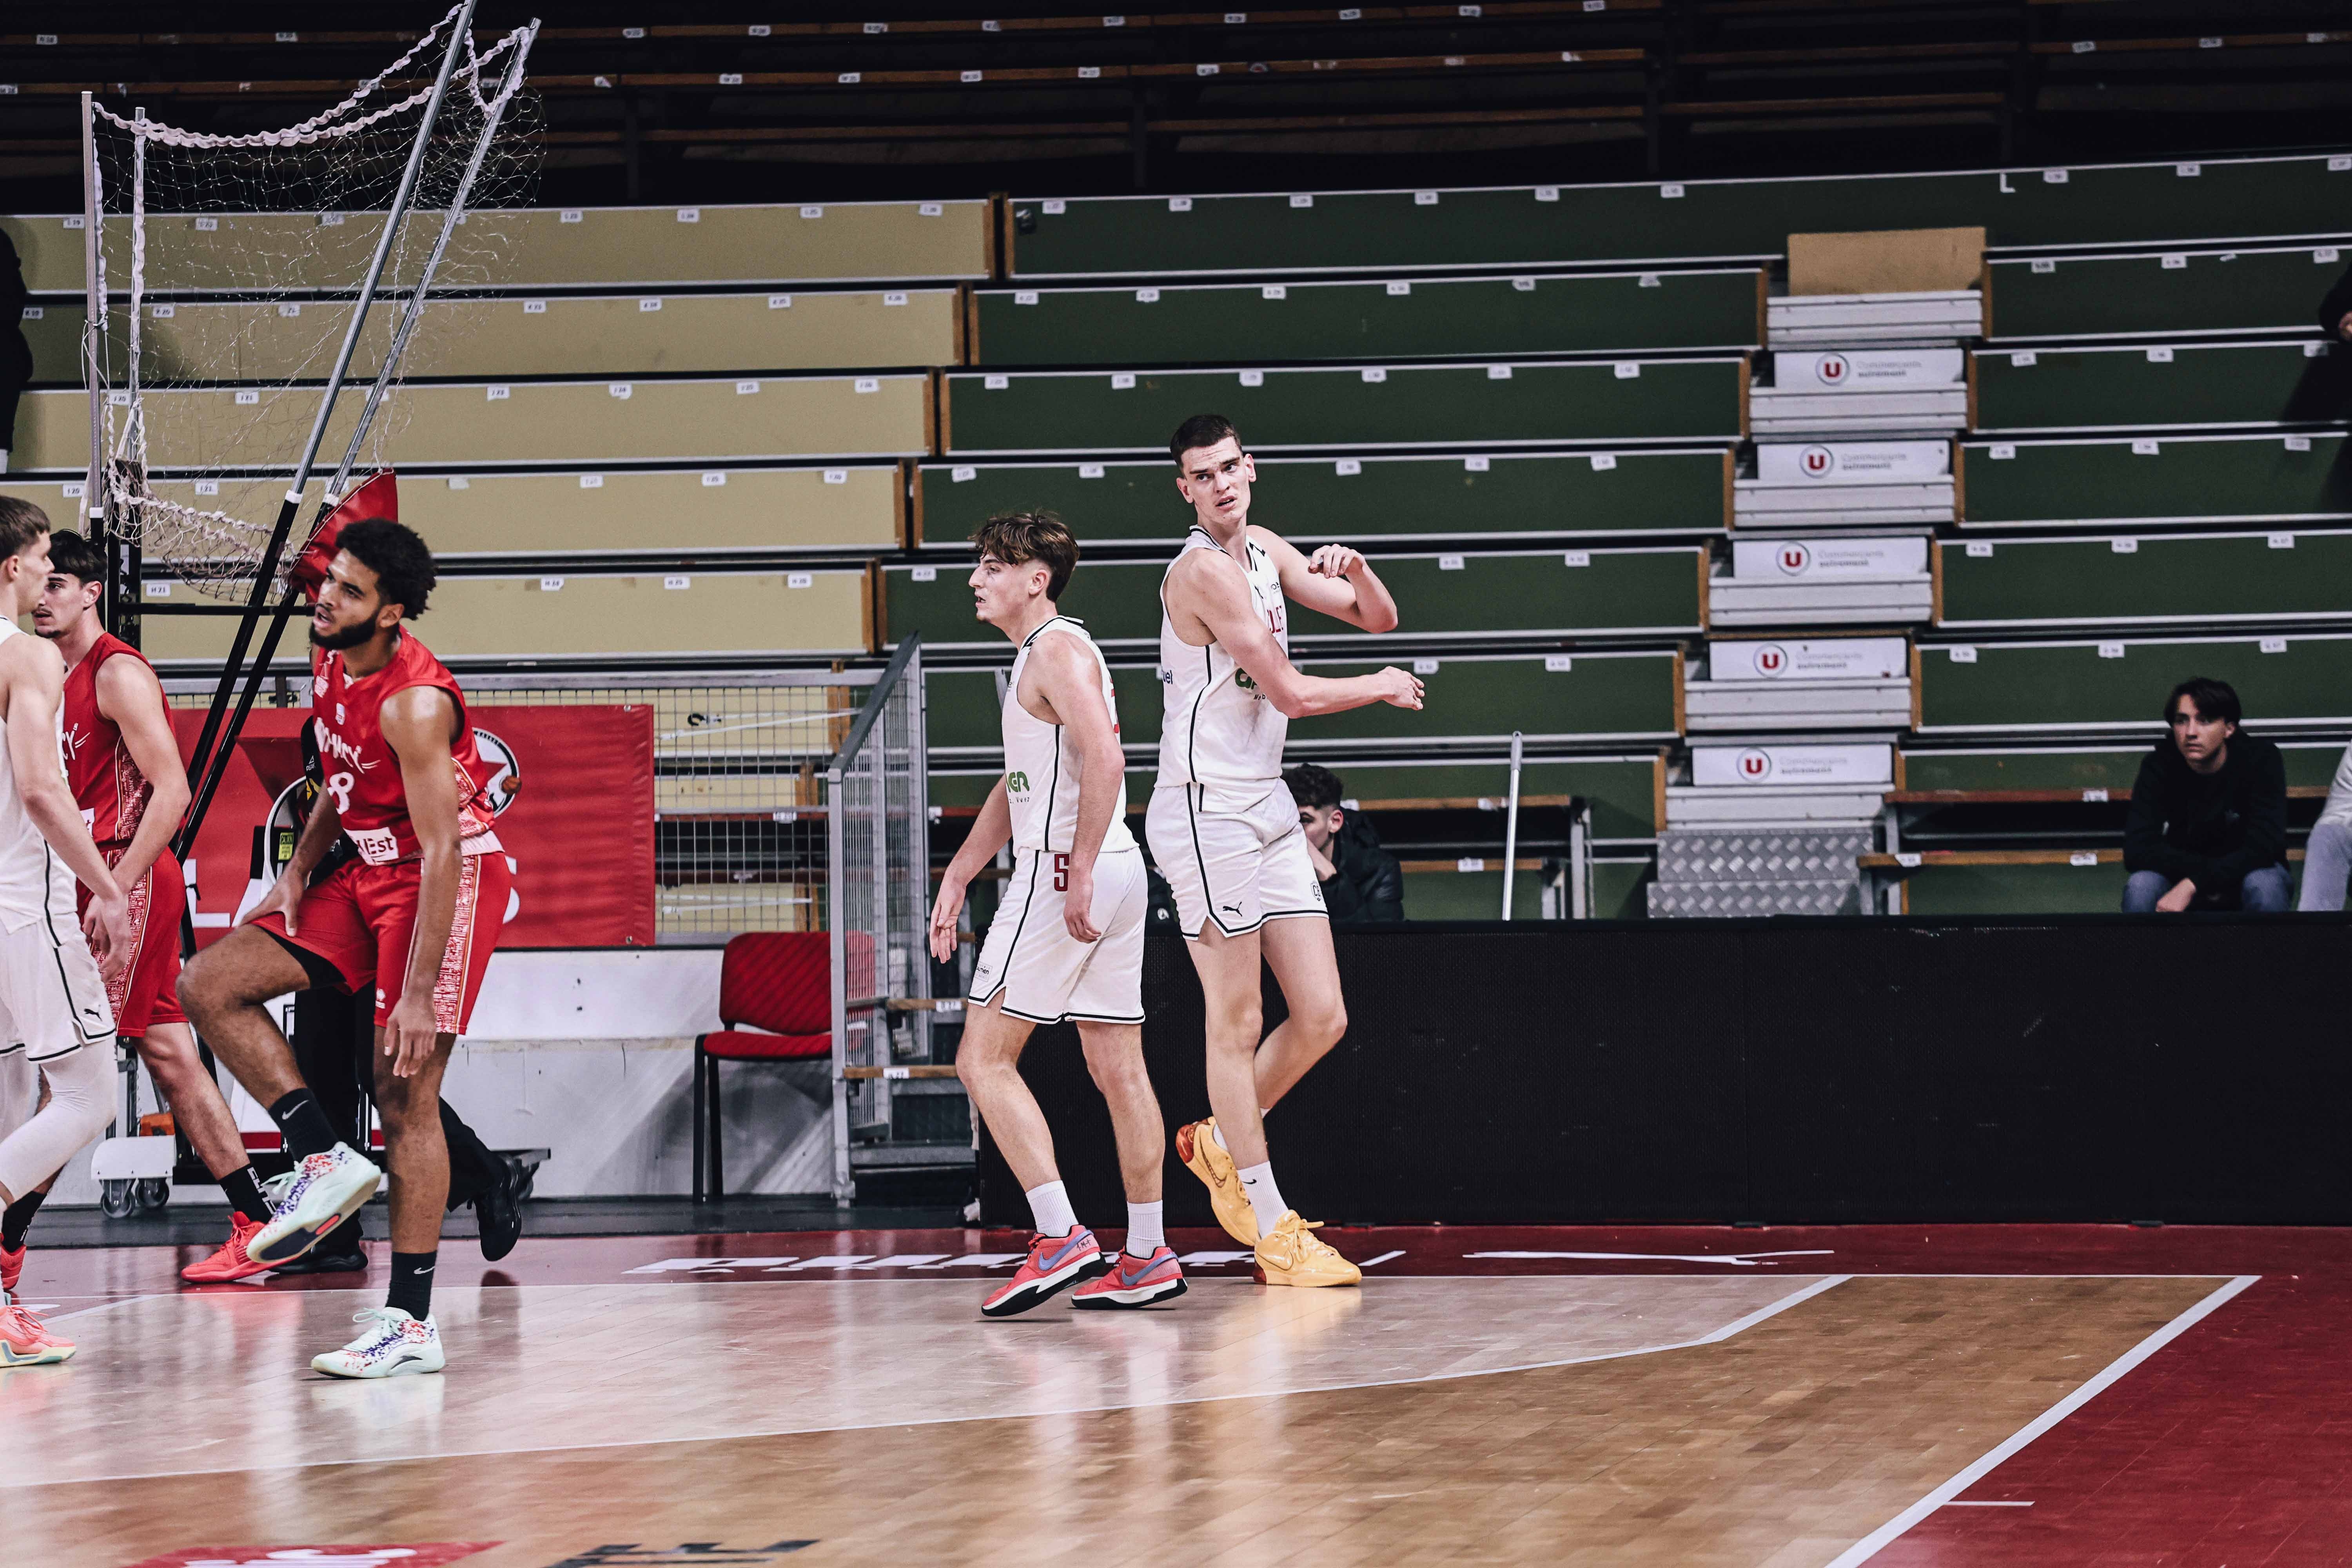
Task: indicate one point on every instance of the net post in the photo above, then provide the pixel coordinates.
(836, 914)
(93, 326)
(210, 761)
(1511, 826)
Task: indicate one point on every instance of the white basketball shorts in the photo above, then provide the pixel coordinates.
(1236, 869)
(52, 1000)
(1043, 972)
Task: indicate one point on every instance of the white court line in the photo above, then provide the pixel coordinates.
(1870, 1545)
(1957, 1503)
(1383, 1257)
(102, 1306)
(1736, 1326)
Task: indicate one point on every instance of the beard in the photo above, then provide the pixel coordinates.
(49, 629)
(344, 638)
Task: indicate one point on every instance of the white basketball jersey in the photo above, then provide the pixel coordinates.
(34, 883)
(1041, 774)
(1217, 729)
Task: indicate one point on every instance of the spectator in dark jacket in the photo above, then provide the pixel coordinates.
(1362, 881)
(2335, 310)
(2207, 827)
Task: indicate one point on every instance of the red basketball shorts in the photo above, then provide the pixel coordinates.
(147, 992)
(362, 920)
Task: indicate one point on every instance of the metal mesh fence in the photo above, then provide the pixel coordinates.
(739, 789)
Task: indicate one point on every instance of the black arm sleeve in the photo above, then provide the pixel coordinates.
(1382, 892)
(2265, 824)
(2337, 305)
(2144, 845)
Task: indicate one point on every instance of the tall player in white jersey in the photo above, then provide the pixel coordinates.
(1225, 834)
(53, 1006)
(1067, 940)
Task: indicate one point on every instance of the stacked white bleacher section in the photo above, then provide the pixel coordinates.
(1769, 829)
(1800, 683)
(1832, 580)
(1874, 321)
(1834, 484)
(1862, 392)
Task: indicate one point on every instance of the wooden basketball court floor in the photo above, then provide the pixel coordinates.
(1765, 1398)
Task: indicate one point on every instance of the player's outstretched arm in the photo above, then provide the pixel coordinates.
(1071, 682)
(1206, 587)
(1335, 581)
(420, 724)
(989, 830)
(36, 682)
(324, 826)
(132, 698)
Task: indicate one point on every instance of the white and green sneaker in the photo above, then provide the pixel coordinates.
(393, 1344)
(311, 1199)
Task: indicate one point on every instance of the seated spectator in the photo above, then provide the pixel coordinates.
(2207, 827)
(2329, 857)
(1362, 881)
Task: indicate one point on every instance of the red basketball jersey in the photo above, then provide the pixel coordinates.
(362, 772)
(107, 785)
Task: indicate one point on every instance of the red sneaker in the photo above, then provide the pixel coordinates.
(24, 1342)
(12, 1266)
(231, 1262)
(1055, 1264)
(1133, 1282)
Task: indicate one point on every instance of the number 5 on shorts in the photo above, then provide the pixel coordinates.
(1061, 873)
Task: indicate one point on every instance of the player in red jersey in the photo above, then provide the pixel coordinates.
(123, 766)
(415, 915)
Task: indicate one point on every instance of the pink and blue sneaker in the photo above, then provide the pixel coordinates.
(1055, 1264)
(1133, 1282)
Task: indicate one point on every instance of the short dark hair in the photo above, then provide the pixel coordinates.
(21, 522)
(402, 564)
(1316, 788)
(1201, 430)
(2214, 698)
(1017, 538)
(71, 556)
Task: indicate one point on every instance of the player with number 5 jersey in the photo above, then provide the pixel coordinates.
(1067, 938)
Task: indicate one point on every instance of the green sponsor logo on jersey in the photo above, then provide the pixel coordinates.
(1241, 679)
(1016, 783)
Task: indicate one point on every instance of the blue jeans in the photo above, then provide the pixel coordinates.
(2325, 866)
(2263, 892)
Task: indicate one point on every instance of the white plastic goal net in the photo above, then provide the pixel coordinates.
(231, 266)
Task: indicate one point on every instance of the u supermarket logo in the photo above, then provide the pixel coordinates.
(1830, 370)
(1816, 462)
(1771, 659)
(1794, 558)
(1754, 765)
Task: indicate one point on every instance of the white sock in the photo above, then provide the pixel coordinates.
(1219, 1134)
(1144, 1235)
(1049, 1208)
(1266, 1198)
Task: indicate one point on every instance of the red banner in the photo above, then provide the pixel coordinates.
(574, 792)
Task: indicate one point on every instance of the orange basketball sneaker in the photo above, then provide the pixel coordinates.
(1197, 1146)
(22, 1339)
(12, 1266)
(232, 1261)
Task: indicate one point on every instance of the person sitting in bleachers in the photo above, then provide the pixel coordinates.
(2207, 826)
(2329, 858)
(1362, 881)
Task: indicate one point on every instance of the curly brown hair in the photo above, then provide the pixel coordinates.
(1017, 538)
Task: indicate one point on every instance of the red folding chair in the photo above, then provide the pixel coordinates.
(776, 1000)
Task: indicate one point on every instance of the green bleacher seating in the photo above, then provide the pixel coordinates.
(1440, 318)
(2176, 387)
(1315, 498)
(1700, 220)
(2013, 882)
(2273, 578)
(656, 616)
(2057, 773)
(2181, 292)
(1641, 590)
(577, 335)
(611, 248)
(663, 512)
(1450, 891)
(2265, 477)
(2303, 681)
(525, 423)
(1021, 413)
